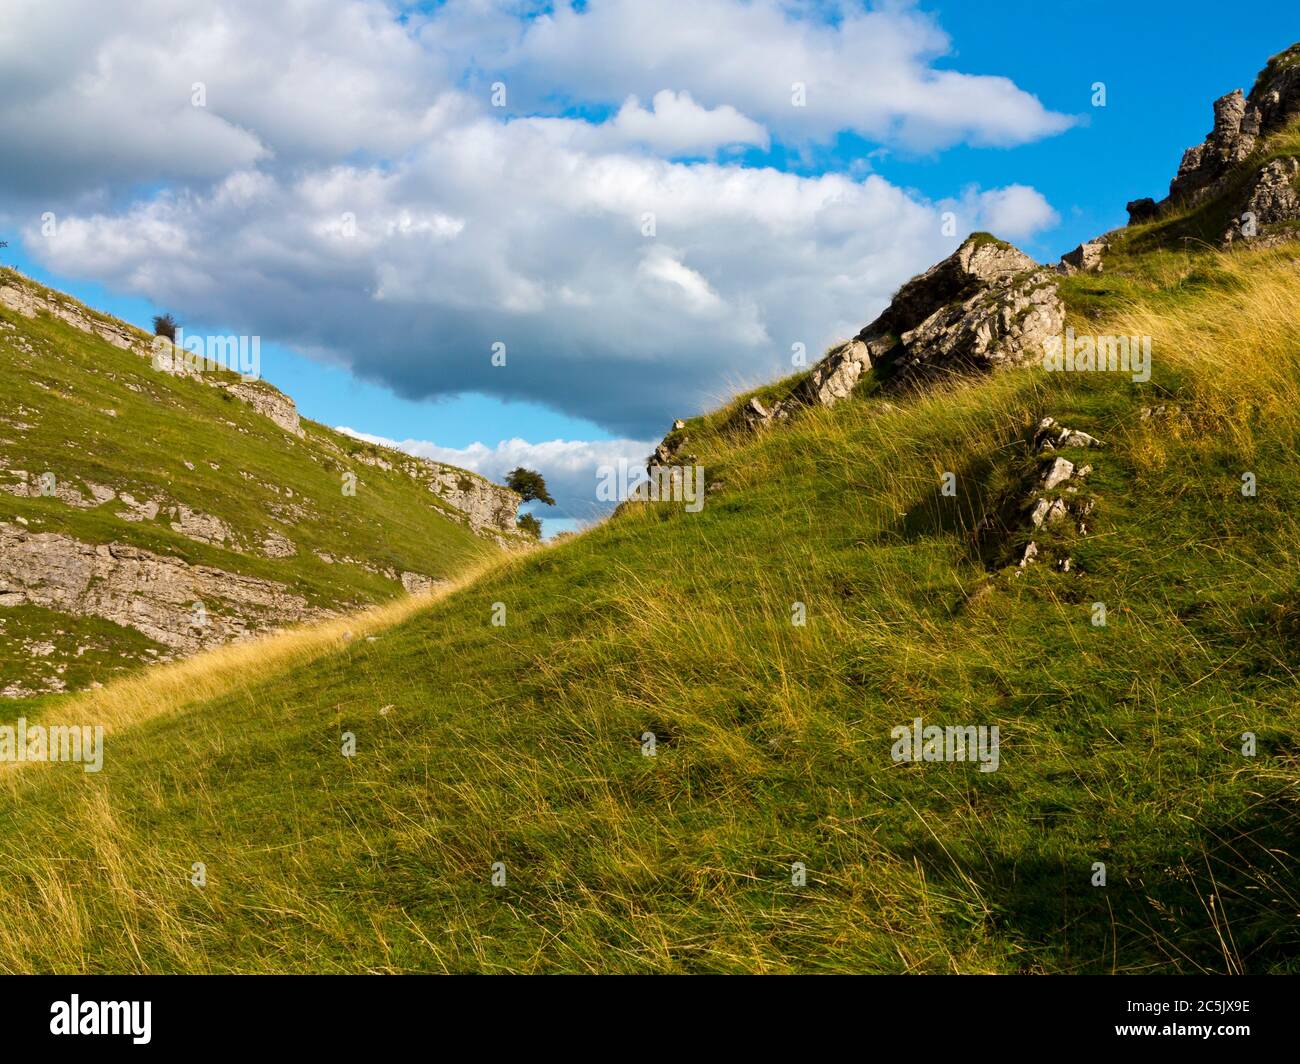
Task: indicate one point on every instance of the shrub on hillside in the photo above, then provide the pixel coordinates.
(165, 325)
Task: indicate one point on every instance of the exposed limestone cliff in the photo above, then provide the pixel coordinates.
(182, 606)
(1233, 161)
(489, 509)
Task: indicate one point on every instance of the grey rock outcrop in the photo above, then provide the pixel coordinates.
(270, 403)
(1242, 127)
(419, 583)
(1142, 210)
(1271, 198)
(152, 593)
(489, 508)
(834, 377)
(29, 300)
(988, 306)
(1086, 258)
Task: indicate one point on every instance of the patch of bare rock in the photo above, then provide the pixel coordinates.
(156, 595)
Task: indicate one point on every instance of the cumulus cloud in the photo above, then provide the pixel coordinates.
(677, 125)
(571, 468)
(1013, 212)
(869, 71)
(348, 188)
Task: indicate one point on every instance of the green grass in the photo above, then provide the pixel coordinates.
(184, 442)
(522, 744)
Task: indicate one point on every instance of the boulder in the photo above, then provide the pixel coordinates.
(988, 306)
(1086, 258)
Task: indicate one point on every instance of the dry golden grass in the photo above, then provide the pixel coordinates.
(168, 688)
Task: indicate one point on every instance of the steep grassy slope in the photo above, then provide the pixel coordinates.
(522, 744)
(90, 413)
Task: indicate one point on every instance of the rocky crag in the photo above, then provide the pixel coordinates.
(1247, 169)
(985, 308)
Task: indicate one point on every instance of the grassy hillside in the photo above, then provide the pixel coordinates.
(89, 412)
(522, 743)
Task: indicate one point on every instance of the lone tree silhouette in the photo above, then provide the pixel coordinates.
(529, 485)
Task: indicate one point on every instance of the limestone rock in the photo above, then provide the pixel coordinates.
(1241, 125)
(275, 545)
(152, 593)
(833, 378)
(270, 403)
(29, 300)
(418, 583)
(1142, 210)
(987, 306)
(1271, 198)
(1086, 258)
(1051, 434)
(1057, 472)
(202, 528)
(487, 507)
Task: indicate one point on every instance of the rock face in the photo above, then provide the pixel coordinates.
(987, 306)
(270, 403)
(28, 301)
(1242, 126)
(1271, 198)
(489, 507)
(154, 594)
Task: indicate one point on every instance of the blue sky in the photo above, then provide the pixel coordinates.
(478, 224)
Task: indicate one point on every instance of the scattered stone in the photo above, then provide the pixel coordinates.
(274, 545)
(1058, 471)
(1051, 434)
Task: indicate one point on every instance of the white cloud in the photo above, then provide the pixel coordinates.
(869, 71)
(349, 190)
(677, 125)
(1013, 212)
